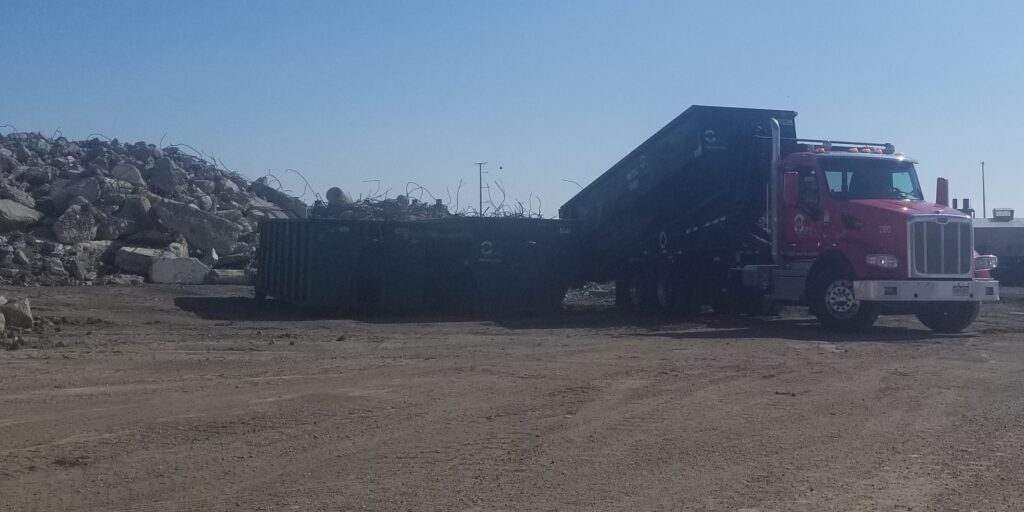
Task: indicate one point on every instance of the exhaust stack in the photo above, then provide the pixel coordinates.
(774, 200)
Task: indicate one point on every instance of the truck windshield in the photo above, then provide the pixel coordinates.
(853, 178)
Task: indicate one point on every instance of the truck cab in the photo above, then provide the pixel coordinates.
(855, 221)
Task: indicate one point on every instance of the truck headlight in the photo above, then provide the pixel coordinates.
(986, 262)
(883, 260)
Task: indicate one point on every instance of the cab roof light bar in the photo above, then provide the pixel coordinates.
(839, 145)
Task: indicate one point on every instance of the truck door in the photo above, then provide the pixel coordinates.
(803, 222)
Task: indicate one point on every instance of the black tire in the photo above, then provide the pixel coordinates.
(834, 304)
(674, 296)
(632, 294)
(665, 294)
(949, 317)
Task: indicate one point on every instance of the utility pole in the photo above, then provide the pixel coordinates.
(480, 186)
(984, 207)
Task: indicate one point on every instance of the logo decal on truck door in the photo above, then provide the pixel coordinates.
(800, 226)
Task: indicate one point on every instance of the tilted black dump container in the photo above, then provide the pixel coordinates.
(459, 264)
(705, 169)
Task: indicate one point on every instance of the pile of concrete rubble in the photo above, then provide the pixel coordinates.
(340, 206)
(98, 211)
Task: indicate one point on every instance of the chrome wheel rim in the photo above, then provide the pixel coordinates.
(840, 301)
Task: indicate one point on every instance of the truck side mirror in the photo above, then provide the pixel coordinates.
(942, 191)
(790, 189)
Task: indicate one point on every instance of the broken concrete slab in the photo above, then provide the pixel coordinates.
(16, 216)
(285, 202)
(170, 270)
(202, 230)
(122, 279)
(230, 276)
(17, 195)
(138, 260)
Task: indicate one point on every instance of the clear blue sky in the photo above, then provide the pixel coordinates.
(419, 91)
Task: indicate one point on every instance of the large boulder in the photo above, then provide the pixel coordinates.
(17, 195)
(18, 313)
(16, 216)
(92, 253)
(166, 177)
(136, 209)
(205, 202)
(225, 186)
(75, 225)
(128, 173)
(202, 230)
(7, 160)
(178, 271)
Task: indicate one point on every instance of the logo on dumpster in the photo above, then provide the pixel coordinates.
(710, 141)
(486, 248)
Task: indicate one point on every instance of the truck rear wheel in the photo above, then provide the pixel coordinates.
(670, 295)
(836, 307)
(675, 296)
(631, 294)
(949, 317)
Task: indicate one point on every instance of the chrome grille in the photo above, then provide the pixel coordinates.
(941, 246)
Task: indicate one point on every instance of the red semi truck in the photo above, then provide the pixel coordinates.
(727, 207)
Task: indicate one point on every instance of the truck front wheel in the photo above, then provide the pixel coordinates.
(949, 317)
(836, 306)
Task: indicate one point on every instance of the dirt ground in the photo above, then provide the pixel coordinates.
(197, 398)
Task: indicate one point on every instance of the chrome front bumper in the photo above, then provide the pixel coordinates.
(976, 290)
